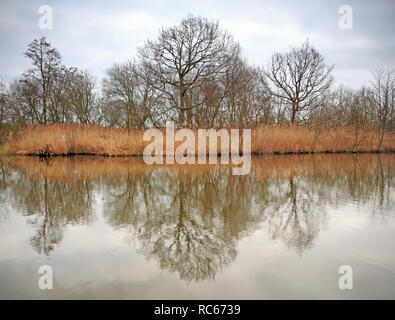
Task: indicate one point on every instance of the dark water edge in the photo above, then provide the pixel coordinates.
(46, 155)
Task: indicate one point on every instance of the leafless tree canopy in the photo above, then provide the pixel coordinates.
(50, 92)
(129, 99)
(3, 103)
(194, 74)
(383, 99)
(299, 78)
(42, 75)
(187, 58)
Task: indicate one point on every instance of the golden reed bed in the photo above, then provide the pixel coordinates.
(109, 141)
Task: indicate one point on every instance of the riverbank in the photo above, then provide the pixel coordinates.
(63, 140)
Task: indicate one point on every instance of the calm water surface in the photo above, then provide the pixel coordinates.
(117, 228)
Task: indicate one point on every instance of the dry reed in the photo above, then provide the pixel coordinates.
(109, 141)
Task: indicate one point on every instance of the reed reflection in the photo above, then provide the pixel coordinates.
(189, 219)
(50, 203)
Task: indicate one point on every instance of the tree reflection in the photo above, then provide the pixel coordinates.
(184, 221)
(296, 215)
(190, 219)
(51, 205)
(4, 177)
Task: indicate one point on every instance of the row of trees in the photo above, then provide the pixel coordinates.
(194, 74)
(49, 92)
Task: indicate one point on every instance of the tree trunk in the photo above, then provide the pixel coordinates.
(45, 108)
(381, 137)
(293, 115)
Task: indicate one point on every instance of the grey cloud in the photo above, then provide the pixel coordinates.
(94, 34)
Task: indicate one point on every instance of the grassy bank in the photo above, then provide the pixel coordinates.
(108, 141)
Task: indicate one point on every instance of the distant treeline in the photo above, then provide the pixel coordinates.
(195, 75)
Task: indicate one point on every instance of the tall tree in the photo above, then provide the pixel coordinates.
(298, 78)
(246, 101)
(186, 57)
(3, 103)
(46, 63)
(357, 113)
(128, 96)
(81, 97)
(383, 94)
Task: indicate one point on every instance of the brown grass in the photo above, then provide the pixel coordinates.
(109, 141)
(298, 139)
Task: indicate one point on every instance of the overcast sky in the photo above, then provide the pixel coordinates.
(92, 35)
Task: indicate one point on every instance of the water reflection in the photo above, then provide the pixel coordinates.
(189, 219)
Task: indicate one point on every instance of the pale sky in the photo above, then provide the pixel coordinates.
(92, 35)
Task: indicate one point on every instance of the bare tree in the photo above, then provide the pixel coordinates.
(357, 114)
(298, 78)
(193, 74)
(59, 107)
(46, 62)
(81, 96)
(187, 57)
(50, 92)
(3, 103)
(128, 96)
(25, 101)
(383, 96)
(119, 90)
(247, 102)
